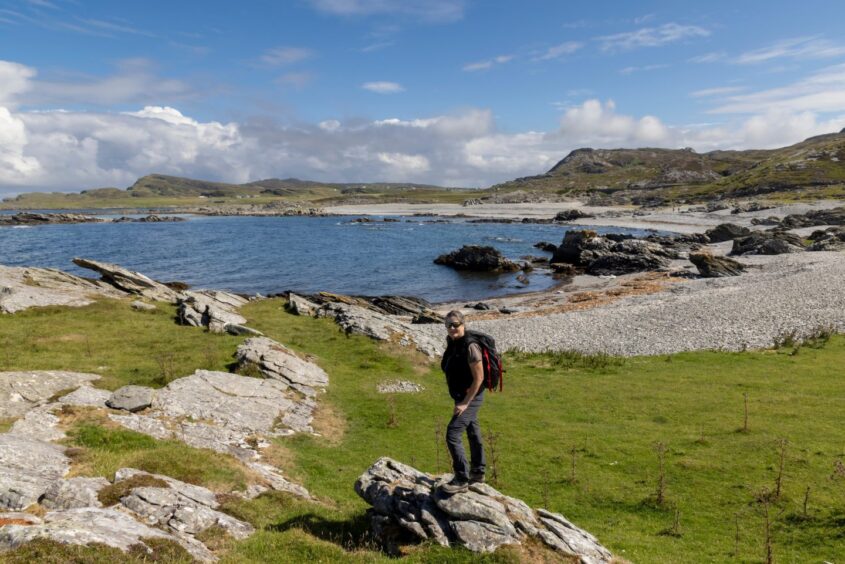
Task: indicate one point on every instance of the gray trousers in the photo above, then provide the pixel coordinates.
(467, 421)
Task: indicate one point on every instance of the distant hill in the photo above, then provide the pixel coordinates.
(813, 168)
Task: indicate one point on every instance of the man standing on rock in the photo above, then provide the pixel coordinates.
(464, 375)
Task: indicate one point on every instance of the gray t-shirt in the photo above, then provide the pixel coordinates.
(474, 353)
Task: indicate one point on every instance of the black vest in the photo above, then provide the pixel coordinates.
(455, 365)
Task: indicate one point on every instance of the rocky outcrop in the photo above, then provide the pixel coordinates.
(711, 266)
(726, 232)
(773, 242)
(361, 321)
(27, 468)
(29, 218)
(22, 391)
(405, 500)
(149, 219)
(813, 218)
(478, 259)
(831, 239)
(73, 493)
(23, 288)
(278, 362)
(90, 525)
(606, 256)
(571, 215)
(298, 305)
(418, 309)
(211, 308)
(129, 281)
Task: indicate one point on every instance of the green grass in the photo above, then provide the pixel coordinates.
(608, 413)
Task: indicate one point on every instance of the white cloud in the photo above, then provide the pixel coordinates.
(279, 56)
(14, 166)
(435, 11)
(15, 79)
(711, 57)
(383, 87)
(718, 91)
(488, 64)
(796, 48)
(559, 51)
(594, 122)
(644, 68)
(405, 166)
(651, 37)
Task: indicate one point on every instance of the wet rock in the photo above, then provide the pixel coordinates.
(27, 468)
(129, 281)
(361, 321)
(481, 519)
(300, 306)
(545, 246)
(278, 362)
(578, 242)
(726, 232)
(477, 258)
(90, 525)
(21, 391)
(131, 398)
(23, 288)
(710, 266)
(563, 269)
(767, 243)
(480, 306)
(73, 493)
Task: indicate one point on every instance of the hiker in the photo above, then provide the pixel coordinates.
(464, 376)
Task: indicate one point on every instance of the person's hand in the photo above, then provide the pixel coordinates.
(460, 408)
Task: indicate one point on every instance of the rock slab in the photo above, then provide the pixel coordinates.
(481, 519)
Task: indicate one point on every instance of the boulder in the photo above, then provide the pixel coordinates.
(831, 239)
(767, 243)
(86, 396)
(726, 232)
(278, 362)
(142, 306)
(813, 218)
(300, 306)
(711, 266)
(209, 308)
(23, 288)
(577, 242)
(129, 281)
(361, 321)
(481, 519)
(571, 215)
(478, 259)
(21, 391)
(27, 468)
(545, 246)
(131, 398)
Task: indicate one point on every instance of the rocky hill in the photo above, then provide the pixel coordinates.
(813, 168)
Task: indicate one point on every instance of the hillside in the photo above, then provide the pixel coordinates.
(813, 168)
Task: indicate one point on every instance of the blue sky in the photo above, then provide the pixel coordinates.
(455, 92)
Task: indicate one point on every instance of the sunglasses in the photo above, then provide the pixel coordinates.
(453, 325)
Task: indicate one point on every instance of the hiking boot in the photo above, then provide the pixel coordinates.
(476, 477)
(455, 486)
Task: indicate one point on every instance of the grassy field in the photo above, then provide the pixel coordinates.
(584, 436)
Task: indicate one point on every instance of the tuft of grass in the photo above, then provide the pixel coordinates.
(110, 495)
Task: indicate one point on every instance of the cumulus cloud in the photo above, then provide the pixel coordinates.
(383, 87)
(15, 80)
(651, 37)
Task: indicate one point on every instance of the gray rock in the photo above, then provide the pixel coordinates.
(276, 481)
(280, 363)
(21, 391)
(726, 232)
(39, 423)
(73, 492)
(90, 525)
(131, 398)
(767, 243)
(86, 396)
(242, 330)
(481, 519)
(142, 306)
(212, 309)
(361, 321)
(399, 387)
(23, 288)
(19, 518)
(144, 424)
(477, 258)
(129, 281)
(193, 493)
(300, 306)
(27, 468)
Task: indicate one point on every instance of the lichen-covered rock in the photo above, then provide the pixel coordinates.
(361, 321)
(481, 519)
(73, 492)
(278, 362)
(86, 396)
(131, 398)
(300, 306)
(39, 423)
(27, 468)
(21, 391)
